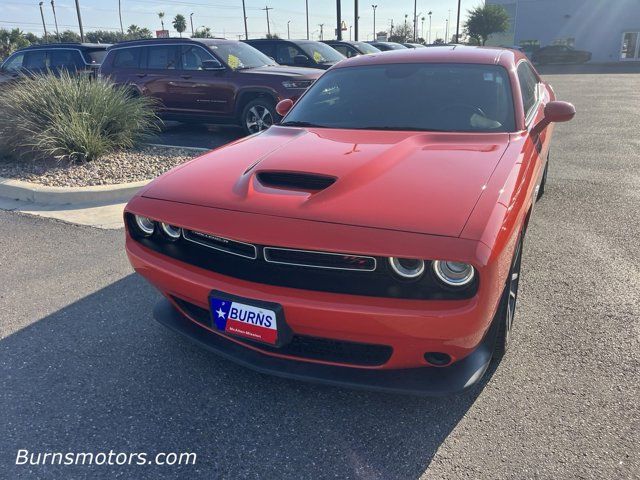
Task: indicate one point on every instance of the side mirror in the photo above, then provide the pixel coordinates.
(212, 65)
(300, 60)
(284, 106)
(555, 112)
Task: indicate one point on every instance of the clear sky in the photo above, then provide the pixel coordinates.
(224, 17)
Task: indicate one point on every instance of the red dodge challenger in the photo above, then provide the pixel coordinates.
(371, 239)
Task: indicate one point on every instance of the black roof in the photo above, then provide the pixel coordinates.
(263, 40)
(67, 45)
(151, 41)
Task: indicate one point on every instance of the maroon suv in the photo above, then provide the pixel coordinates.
(207, 80)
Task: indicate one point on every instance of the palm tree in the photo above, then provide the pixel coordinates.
(161, 17)
(180, 24)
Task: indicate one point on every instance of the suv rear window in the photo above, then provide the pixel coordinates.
(95, 57)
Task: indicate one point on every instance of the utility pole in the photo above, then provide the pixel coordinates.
(321, 25)
(374, 20)
(448, 25)
(288, 34)
(244, 15)
(266, 9)
(458, 23)
(350, 28)
(79, 20)
(120, 15)
(430, 13)
(191, 19)
(415, 20)
(44, 25)
(355, 20)
(391, 30)
(55, 19)
(306, 5)
(422, 31)
(338, 21)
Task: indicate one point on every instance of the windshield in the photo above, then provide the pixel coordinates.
(366, 48)
(321, 52)
(240, 56)
(429, 97)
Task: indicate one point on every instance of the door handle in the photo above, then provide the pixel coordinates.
(186, 77)
(141, 75)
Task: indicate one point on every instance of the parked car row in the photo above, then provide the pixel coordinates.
(214, 80)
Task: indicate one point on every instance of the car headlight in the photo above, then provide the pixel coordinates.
(171, 232)
(407, 267)
(145, 225)
(297, 83)
(454, 274)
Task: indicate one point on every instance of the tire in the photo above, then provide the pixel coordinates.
(543, 182)
(258, 115)
(508, 304)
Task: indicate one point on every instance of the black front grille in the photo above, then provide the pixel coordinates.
(226, 245)
(306, 258)
(381, 282)
(302, 346)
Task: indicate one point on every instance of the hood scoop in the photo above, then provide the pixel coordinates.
(301, 181)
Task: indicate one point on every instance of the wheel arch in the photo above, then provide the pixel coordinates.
(249, 94)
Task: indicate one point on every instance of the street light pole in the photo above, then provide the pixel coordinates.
(191, 19)
(244, 15)
(55, 19)
(306, 6)
(321, 25)
(355, 20)
(374, 20)
(120, 15)
(430, 13)
(79, 20)
(458, 23)
(338, 20)
(288, 34)
(415, 20)
(44, 25)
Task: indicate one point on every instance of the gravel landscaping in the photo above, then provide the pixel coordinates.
(119, 167)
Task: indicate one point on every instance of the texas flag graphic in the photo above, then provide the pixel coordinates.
(245, 320)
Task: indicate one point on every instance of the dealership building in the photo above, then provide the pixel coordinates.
(609, 29)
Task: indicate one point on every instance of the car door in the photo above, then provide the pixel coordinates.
(203, 91)
(65, 59)
(162, 74)
(13, 65)
(35, 61)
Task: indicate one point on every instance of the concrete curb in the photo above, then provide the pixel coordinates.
(43, 195)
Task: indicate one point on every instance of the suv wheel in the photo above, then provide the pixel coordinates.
(258, 115)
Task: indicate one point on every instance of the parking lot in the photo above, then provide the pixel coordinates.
(84, 367)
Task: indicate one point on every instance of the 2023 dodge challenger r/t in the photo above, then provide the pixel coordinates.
(373, 238)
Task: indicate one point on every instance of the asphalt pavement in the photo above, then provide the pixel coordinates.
(83, 366)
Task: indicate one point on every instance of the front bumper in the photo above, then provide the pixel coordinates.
(427, 381)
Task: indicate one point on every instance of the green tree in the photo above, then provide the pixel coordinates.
(69, 36)
(11, 40)
(438, 41)
(273, 36)
(161, 17)
(134, 32)
(402, 33)
(204, 32)
(104, 36)
(485, 20)
(180, 24)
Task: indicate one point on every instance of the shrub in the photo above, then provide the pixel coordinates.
(72, 117)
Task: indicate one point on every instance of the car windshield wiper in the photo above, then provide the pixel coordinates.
(299, 123)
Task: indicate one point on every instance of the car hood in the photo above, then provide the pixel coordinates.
(284, 71)
(419, 182)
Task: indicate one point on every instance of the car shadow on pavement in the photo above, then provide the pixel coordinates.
(101, 375)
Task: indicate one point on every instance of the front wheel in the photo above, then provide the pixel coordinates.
(258, 115)
(508, 304)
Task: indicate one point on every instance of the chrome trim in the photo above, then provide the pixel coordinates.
(185, 235)
(404, 272)
(267, 249)
(465, 281)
